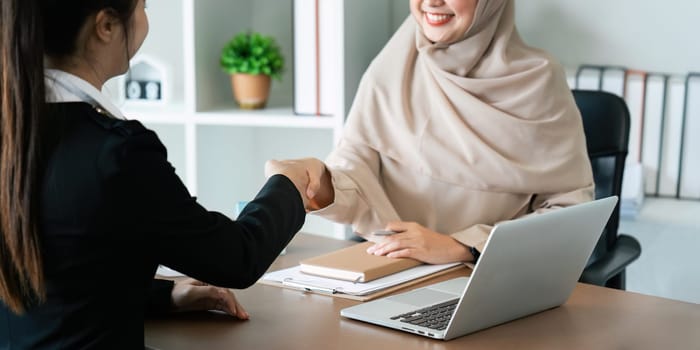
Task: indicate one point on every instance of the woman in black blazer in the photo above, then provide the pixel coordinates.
(89, 205)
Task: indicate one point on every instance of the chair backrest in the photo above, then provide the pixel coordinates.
(606, 122)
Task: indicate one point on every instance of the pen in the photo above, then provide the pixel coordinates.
(308, 288)
(384, 232)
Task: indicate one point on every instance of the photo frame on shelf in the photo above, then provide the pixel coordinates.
(146, 82)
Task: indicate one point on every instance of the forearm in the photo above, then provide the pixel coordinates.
(183, 235)
(548, 201)
(477, 235)
(474, 236)
(212, 248)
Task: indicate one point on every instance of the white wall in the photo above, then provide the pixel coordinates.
(400, 10)
(658, 36)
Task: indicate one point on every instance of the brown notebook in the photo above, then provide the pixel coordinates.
(354, 264)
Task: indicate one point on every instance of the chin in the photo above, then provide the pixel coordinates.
(436, 36)
(123, 70)
(437, 39)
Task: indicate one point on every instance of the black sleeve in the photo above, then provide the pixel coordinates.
(186, 237)
(160, 301)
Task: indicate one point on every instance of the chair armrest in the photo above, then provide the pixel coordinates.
(626, 250)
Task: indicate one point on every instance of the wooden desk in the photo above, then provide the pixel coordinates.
(593, 318)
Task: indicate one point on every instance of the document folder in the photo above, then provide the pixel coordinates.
(293, 278)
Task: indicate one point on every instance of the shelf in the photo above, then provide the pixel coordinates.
(172, 113)
(282, 117)
(268, 117)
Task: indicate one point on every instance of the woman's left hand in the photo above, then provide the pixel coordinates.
(418, 242)
(191, 295)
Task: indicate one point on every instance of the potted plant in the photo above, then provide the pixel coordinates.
(252, 59)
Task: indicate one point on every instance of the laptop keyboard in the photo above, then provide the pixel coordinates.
(435, 317)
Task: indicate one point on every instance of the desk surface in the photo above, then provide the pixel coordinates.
(592, 318)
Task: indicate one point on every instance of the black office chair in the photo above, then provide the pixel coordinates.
(606, 122)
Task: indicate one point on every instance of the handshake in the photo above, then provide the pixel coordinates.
(311, 178)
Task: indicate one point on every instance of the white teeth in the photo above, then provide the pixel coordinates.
(437, 17)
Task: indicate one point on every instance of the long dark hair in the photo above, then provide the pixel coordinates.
(31, 30)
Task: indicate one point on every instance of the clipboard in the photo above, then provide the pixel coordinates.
(293, 278)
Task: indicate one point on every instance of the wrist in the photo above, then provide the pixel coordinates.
(467, 253)
(326, 194)
(461, 253)
(475, 253)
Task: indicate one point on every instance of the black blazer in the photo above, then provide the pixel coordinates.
(112, 209)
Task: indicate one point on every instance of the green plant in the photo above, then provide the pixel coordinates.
(252, 53)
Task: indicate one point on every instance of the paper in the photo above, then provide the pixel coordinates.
(167, 272)
(654, 116)
(614, 80)
(637, 92)
(671, 147)
(689, 185)
(293, 277)
(589, 78)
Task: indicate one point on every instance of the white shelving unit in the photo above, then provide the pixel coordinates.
(218, 149)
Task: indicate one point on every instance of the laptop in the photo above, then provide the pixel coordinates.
(528, 265)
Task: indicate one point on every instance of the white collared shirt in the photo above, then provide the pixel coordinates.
(62, 86)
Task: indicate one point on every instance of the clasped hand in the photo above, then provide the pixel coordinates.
(310, 177)
(415, 241)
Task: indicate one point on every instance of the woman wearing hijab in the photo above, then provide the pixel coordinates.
(456, 125)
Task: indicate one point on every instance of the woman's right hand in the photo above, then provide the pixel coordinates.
(191, 295)
(309, 175)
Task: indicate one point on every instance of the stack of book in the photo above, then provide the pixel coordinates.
(354, 264)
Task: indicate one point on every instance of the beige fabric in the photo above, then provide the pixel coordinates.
(458, 137)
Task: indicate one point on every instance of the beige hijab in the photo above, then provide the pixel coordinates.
(486, 112)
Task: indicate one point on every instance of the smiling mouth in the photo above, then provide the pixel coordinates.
(437, 19)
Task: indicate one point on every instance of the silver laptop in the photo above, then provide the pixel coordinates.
(527, 266)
